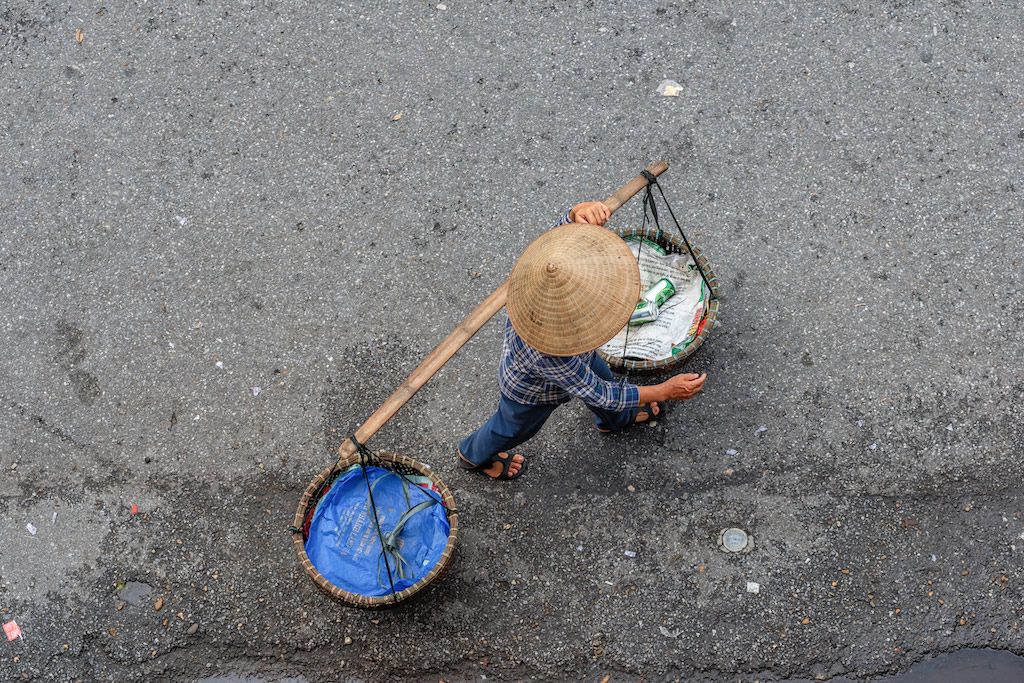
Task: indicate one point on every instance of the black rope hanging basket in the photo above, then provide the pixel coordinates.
(673, 245)
(402, 466)
(650, 232)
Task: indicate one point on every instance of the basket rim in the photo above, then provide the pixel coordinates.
(674, 244)
(309, 497)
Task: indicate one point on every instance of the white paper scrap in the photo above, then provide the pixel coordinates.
(753, 587)
(669, 88)
(31, 528)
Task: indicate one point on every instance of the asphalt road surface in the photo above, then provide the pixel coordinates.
(230, 230)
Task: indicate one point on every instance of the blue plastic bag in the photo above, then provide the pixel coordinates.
(344, 544)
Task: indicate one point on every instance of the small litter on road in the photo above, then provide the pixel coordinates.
(860, 423)
(753, 587)
(873, 446)
(669, 634)
(949, 427)
(669, 88)
(256, 391)
(53, 520)
(182, 220)
(12, 630)
(135, 509)
(732, 451)
(220, 364)
(31, 528)
(760, 429)
(734, 540)
(629, 553)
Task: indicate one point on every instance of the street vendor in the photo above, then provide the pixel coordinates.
(571, 291)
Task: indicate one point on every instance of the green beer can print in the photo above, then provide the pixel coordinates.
(660, 292)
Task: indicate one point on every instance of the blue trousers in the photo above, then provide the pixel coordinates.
(513, 423)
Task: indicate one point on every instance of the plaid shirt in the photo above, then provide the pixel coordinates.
(530, 377)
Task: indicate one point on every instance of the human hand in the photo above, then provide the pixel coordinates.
(684, 386)
(595, 213)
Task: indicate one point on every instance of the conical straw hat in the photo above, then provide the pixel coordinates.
(573, 289)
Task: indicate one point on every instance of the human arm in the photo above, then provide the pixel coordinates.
(575, 377)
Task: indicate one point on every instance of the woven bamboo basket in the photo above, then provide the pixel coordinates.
(395, 463)
(675, 245)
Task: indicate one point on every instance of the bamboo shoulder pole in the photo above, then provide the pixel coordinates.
(462, 333)
(634, 186)
(430, 365)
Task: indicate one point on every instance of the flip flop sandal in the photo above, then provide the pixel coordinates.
(642, 408)
(505, 464)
